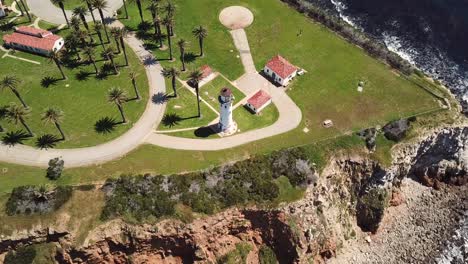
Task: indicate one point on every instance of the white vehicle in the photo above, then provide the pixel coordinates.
(300, 72)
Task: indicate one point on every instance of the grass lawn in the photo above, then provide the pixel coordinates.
(71, 4)
(181, 112)
(82, 97)
(211, 90)
(247, 121)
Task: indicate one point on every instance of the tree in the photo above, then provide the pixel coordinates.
(125, 8)
(154, 8)
(201, 33)
(81, 12)
(157, 30)
(116, 32)
(17, 114)
(123, 33)
(11, 82)
(98, 26)
(182, 46)
(71, 43)
(133, 77)
(172, 73)
(118, 97)
(195, 78)
(168, 23)
(55, 169)
(26, 10)
(89, 51)
(60, 4)
(19, 7)
(56, 57)
(55, 116)
(170, 10)
(75, 23)
(90, 9)
(140, 9)
(101, 5)
(108, 54)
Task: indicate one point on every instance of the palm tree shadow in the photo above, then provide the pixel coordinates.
(48, 81)
(172, 119)
(161, 98)
(105, 125)
(149, 60)
(15, 137)
(82, 75)
(47, 141)
(190, 57)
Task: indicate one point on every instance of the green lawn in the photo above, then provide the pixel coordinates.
(82, 97)
(247, 121)
(211, 90)
(181, 112)
(70, 4)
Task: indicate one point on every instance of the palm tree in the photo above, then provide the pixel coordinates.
(82, 35)
(90, 9)
(17, 113)
(26, 10)
(172, 73)
(19, 7)
(98, 27)
(55, 116)
(89, 50)
(140, 10)
(201, 33)
(182, 45)
(60, 4)
(157, 30)
(108, 54)
(122, 35)
(116, 32)
(118, 97)
(56, 57)
(125, 8)
(11, 82)
(168, 22)
(133, 77)
(75, 23)
(195, 78)
(81, 12)
(170, 10)
(154, 8)
(71, 43)
(100, 5)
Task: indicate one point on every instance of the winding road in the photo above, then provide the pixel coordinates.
(143, 130)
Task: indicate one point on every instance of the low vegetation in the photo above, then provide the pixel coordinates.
(37, 199)
(267, 256)
(238, 255)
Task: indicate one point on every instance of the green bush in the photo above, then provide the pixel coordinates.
(237, 256)
(55, 169)
(23, 255)
(267, 256)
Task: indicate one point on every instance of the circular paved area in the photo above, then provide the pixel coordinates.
(236, 17)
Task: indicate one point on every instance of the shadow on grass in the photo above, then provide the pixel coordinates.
(82, 75)
(105, 125)
(161, 98)
(170, 120)
(206, 131)
(190, 57)
(15, 137)
(47, 141)
(48, 81)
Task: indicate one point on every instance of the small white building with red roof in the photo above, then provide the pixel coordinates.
(280, 70)
(258, 101)
(34, 40)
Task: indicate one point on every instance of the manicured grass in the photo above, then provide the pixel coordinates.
(181, 112)
(247, 121)
(83, 99)
(71, 4)
(211, 91)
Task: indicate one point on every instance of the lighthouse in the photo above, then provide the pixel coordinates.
(226, 125)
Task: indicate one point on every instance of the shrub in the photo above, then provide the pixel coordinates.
(22, 255)
(267, 256)
(55, 169)
(370, 209)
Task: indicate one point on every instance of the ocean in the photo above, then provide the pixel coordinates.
(430, 34)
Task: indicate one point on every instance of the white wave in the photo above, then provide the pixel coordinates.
(394, 44)
(341, 7)
(458, 246)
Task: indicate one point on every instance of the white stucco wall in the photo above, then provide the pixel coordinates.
(277, 78)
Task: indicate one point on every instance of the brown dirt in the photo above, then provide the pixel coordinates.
(236, 17)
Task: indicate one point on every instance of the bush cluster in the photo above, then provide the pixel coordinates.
(248, 181)
(372, 46)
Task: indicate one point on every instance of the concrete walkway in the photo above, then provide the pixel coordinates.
(114, 149)
(53, 14)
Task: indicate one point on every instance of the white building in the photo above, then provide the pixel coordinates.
(226, 125)
(34, 40)
(258, 101)
(280, 70)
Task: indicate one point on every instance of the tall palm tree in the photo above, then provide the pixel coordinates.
(71, 43)
(81, 12)
(133, 77)
(195, 78)
(108, 54)
(89, 51)
(122, 35)
(168, 22)
(55, 116)
(172, 73)
(140, 9)
(75, 23)
(11, 82)
(82, 35)
(17, 114)
(118, 97)
(154, 8)
(170, 10)
(19, 7)
(125, 8)
(116, 32)
(90, 9)
(98, 26)
(101, 5)
(182, 46)
(201, 33)
(56, 57)
(26, 10)
(3, 115)
(60, 4)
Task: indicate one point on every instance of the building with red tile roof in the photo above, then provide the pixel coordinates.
(34, 40)
(206, 71)
(280, 70)
(258, 101)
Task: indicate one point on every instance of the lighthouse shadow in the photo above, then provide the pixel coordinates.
(207, 131)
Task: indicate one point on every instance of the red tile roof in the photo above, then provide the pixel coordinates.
(281, 66)
(32, 37)
(206, 71)
(259, 99)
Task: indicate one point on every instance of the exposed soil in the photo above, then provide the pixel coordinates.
(236, 17)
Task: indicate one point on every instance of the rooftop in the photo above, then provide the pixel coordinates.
(206, 71)
(32, 37)
(259, 99)
(281, 66)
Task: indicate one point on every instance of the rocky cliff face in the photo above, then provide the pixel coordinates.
(351, 195)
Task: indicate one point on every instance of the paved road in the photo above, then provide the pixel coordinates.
(53, 14)
(114, 149)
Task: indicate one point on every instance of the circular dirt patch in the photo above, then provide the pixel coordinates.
(236, 17)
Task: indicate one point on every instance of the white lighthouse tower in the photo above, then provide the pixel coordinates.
(226, 125)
